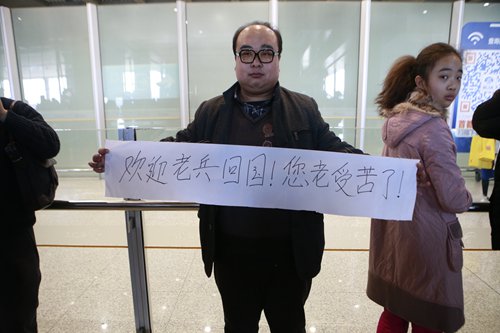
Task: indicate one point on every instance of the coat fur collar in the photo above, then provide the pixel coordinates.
(418, 101)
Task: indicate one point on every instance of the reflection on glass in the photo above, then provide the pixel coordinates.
(140, 65)
(320, 57)
(387, 43)
(335, 79)
(481, 12)
(53, 57)
(210, 32)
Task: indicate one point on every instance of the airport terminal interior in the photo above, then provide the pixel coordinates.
(95, 68)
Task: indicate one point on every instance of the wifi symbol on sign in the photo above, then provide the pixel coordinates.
(475, 37)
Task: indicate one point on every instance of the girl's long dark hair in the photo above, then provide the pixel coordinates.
(400, 81)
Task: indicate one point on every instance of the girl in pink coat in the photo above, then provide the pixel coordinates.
(415, 266)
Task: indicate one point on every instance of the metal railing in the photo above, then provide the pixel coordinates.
(135, 244)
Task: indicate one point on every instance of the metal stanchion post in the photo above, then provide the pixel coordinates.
(135, 241)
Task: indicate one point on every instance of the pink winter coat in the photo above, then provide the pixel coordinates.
(415, 266)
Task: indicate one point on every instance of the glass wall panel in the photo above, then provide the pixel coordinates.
(139, 65)
(480, 12)
(53, 58)
(398, 29)
(320, 57)
(210, 30)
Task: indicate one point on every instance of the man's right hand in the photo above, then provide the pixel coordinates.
(97, 163)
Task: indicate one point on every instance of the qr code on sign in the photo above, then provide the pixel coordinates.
(481, 76)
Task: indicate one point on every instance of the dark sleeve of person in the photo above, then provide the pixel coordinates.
(183, 135)
(330, 141)
(486, 118)
(195, 132)
(327, 139)
(30, 131)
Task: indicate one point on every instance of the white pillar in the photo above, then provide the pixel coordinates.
(10, 53)
(364, 43)
(183, 62)
(96, 71)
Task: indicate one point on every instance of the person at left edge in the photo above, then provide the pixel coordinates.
(19, 261)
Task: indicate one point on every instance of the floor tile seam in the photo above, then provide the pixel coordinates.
(52, 327)
(101, 271)
(491, 287)
(187, 275)
(180, 293)
(85, 287)
(483, 281)
(61, 317)
(168, 319)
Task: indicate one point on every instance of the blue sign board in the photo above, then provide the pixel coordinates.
(480, 36)
(480, 47)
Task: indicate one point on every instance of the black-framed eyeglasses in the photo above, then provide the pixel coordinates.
(265, 56)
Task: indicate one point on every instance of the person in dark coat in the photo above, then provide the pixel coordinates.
(19, 261)
(486, 122)
(263, 259)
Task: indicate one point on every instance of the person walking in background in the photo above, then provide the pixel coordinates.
(486, 122)
(19, 261)
(263, 259)
(486, 175)
(415, 266)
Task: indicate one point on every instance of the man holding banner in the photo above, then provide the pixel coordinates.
(263, 259)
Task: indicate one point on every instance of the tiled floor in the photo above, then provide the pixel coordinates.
(88, 290)
(86, 278)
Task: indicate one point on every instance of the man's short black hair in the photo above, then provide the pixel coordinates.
(266, 24)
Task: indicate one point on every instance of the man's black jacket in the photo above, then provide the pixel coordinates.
(297, 123)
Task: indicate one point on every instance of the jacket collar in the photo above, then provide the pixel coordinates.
(418, 101)
(226, 111)
(424, 102)
(231, 94)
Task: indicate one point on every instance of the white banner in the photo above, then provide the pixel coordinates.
(265, 177)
